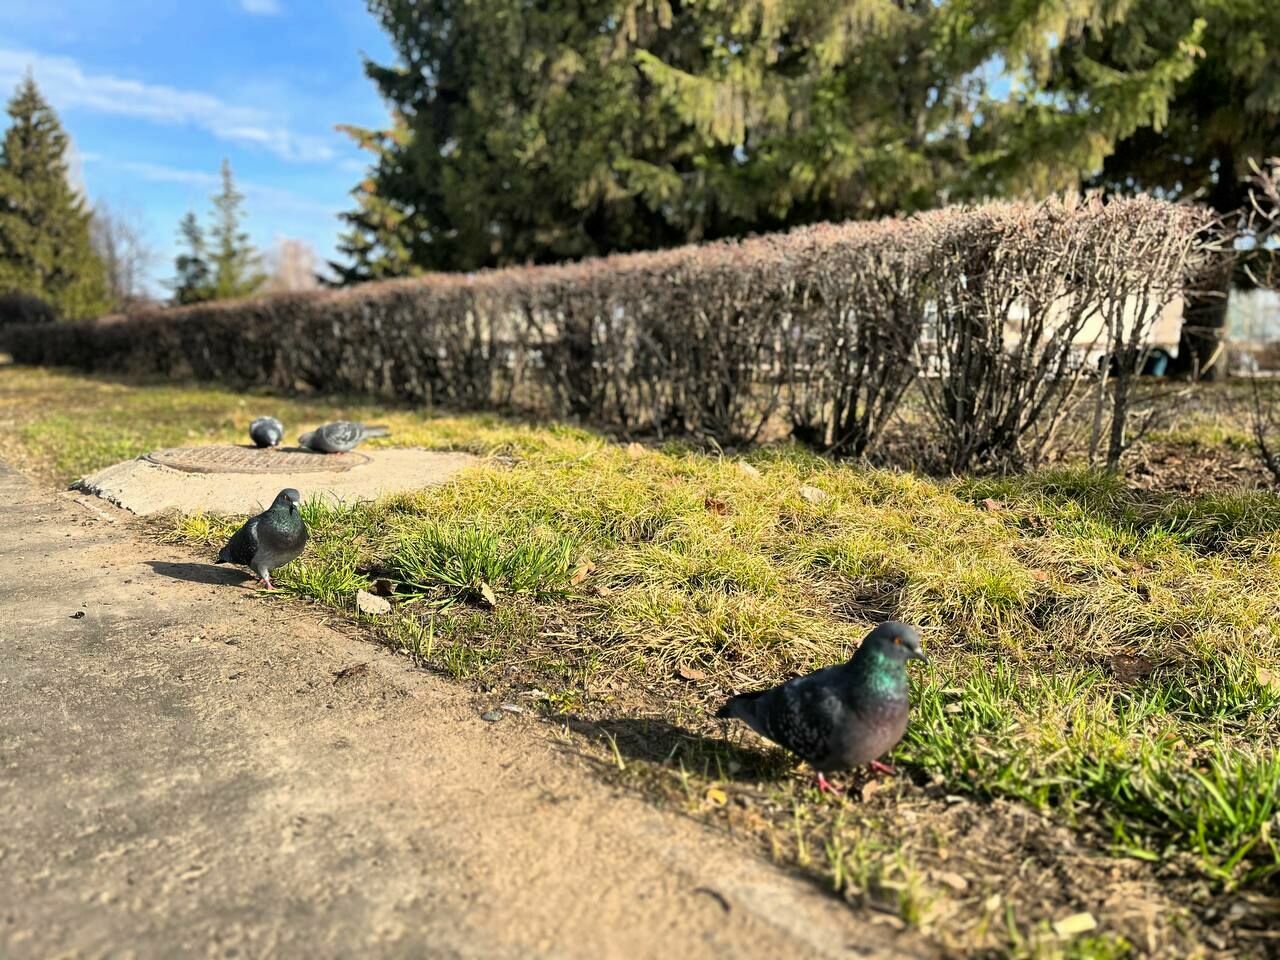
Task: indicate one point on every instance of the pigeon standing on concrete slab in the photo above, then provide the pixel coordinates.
(842, 716)
(339, 437)
(270, 540)
(266, 432)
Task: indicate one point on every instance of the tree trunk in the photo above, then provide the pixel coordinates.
(1202, 346)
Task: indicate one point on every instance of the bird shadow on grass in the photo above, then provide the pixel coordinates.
(656, 741)
(199, 573)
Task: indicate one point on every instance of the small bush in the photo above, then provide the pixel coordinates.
(23, 309)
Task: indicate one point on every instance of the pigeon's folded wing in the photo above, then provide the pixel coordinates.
(801, 716)
(243, 545)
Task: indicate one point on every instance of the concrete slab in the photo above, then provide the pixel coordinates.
(144, 487)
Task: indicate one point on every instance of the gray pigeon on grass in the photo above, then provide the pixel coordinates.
(270, 540)
(841, 716)
(339, 437)
(266, 432)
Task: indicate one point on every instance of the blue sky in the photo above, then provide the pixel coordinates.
(156, 92)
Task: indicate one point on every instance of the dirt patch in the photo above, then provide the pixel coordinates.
(145, 487)
(1194, 469)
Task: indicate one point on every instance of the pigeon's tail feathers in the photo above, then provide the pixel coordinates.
(741, 707)
(377, 430)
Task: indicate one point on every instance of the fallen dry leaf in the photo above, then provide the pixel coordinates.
(717, 797)
(952, 880)
(1074, 924)
(685, 672)
(367, 603)
(716, 506)
(992, 506)
(487, 594)
(870, 789)
(1269, 679)
(748, 469)
(584, 569)
(814, 495)
(1040, 576)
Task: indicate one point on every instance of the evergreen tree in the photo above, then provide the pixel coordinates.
(610, 125)
(45, 249)
(533, 135)
(220, 263)
(1172, 98)
(192, 283)
(236, 266)
(377, 244)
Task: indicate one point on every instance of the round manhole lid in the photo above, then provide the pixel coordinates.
(231, 459)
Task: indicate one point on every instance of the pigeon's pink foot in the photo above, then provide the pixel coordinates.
(826, 786)
(879, 767)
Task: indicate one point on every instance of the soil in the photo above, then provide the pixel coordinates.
(191, 767)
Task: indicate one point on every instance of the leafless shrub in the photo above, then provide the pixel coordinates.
(1014, 295)
(1142, 254)
(826, 326)
(855, 322)
(22, 309)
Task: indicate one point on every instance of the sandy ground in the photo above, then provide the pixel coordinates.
(181, 774)
(142, 487)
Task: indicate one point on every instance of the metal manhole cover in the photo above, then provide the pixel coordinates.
(229, 459)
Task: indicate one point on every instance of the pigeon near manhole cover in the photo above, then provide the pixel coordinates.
(232, 459)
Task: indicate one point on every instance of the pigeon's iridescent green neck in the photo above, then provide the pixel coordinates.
(883, 675)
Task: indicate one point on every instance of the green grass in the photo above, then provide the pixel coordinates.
(600, 572)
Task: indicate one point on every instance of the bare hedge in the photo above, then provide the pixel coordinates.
(824, 328)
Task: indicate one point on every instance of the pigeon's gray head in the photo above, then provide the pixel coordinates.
(306, 438)
(289, 498)
(894, 640)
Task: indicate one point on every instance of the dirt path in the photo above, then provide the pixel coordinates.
(180, 775)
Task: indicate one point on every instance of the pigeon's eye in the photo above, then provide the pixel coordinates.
(897, 641)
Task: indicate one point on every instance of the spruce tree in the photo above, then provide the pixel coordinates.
(613, 125)
(219, 263)
(1172, 98)
(235, 265)
(45, 248)
(378, 242)
(192, 283)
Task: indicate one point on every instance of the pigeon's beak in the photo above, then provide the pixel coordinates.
(917, 654)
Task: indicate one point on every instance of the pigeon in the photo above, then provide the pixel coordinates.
(270, 540)
(841, 716)
(339, 437)
(266, 432)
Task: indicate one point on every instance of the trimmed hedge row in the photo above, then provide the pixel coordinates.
(825, 326)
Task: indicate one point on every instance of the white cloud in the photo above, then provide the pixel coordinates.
(262, 8)
(66, 84)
